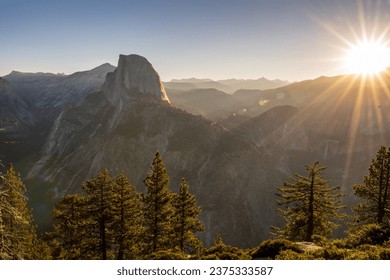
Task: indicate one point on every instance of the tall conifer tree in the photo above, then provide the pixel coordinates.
(5, 210)
(308, 206)
(186, 221)
(18, 234)
(158, 209)
(71, 227)
(375, 191)
(99, 194)
(104, 222)
(127, 225)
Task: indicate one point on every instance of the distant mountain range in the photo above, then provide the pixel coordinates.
(218, 100)
(233, 149)
(229, 85)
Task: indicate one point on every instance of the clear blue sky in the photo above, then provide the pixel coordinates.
(290, 39)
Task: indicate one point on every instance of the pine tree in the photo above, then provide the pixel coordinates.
(375, 191)
(5, 210)
(308, 206)
(18, 236)
(127, 218)
(158, 210)
(70, 228)
(99, 194)
(186, 221)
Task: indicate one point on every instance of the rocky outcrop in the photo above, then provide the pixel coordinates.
(134, 75)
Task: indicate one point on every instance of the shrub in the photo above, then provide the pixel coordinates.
(362, 252)
(167, 255)
(373, 234)
(339, 243)
(225, 252)
(384, 254)
(331, 253)
(269, 249)
(320, 240)
(220, 251)
(293, 255)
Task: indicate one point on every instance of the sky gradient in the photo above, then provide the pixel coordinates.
(278, 39)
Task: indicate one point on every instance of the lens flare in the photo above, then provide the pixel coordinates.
(367, 58)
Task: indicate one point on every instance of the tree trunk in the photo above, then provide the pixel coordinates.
(122, 232)
(310, 222)
(103, 239)
(385, 192)
(381, 209)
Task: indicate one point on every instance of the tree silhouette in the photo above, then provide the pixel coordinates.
(308, 205)
(158, 209)
(375, 191)
(186, 221)
(17, 231)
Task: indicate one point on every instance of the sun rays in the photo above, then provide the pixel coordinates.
(363, 93)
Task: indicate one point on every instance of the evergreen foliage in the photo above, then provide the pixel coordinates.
(127, 219)
(269, 249)
(308, 206)
(158, 209)
(70, 229)
(331, 252)
(170, 254)
(220, 251)
(186, 221)
(104, 222)
(375, 191)
(111, 220)
(372, 234)
(99, 196)
(18, 237)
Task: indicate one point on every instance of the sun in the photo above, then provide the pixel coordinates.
(367, 58)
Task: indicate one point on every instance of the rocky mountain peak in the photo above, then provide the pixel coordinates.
(134, 75)
(6, 89)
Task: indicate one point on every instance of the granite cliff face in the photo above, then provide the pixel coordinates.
(134, 75)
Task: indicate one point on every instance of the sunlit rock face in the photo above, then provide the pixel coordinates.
(133, 80)
(134, 75)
